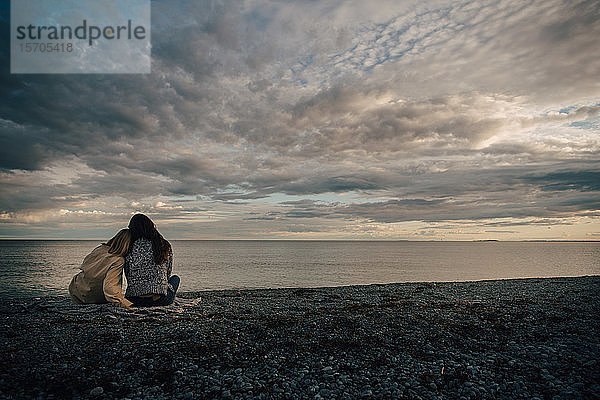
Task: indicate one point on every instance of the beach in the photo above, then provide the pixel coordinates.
(518, 338)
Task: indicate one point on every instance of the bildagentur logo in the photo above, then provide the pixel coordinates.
(83, 32)
(80, 36)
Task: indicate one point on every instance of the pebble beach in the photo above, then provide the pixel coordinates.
(505, 339)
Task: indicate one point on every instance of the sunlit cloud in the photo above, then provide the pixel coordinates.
(338, 119)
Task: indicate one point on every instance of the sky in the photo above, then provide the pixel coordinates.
(314, 119)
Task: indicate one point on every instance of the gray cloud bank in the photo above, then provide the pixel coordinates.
(426, 111)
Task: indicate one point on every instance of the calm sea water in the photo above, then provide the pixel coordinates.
(46, 267)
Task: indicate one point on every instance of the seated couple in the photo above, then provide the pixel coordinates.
(145, 256)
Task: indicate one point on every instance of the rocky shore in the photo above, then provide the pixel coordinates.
(525, 338)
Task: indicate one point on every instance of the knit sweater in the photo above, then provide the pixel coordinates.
(143, 275)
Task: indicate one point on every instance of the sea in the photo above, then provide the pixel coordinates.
(45, 267)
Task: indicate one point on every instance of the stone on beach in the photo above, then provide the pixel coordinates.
(525, 338)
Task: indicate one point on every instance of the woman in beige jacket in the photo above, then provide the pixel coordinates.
(101, 274)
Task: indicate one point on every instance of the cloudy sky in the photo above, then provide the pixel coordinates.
(327, 119)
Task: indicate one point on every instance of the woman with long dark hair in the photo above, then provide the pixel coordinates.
(148, 265)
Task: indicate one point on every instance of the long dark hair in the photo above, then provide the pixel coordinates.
(140, 226)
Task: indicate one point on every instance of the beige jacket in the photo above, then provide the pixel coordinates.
(100, 279)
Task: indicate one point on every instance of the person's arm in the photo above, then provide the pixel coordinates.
(112, 285)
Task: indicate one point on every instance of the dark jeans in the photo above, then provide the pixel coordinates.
(163, 300)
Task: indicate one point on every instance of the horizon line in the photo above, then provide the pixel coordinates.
(319, 240)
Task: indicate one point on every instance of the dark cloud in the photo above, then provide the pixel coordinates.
(472, 195)
(583, 181)
(22, 147)
(528, 222)
(424, 111)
